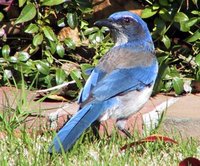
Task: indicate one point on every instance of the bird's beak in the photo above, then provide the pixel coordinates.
(105, 22)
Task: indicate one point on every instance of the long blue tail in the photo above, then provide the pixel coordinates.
(72, 130)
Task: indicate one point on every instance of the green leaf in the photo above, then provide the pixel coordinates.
(96, 37)
(163, 2)
(191, 22)
(166, 41)
(197, 59)
(84, 4)
(52, 46)
(155, 6)
(159, 80)
(195, 2)
(27, 14)
(83, 24)
(163, 57)
(76, 75)
(60, 50)
(85, 67)
(72, 20)
(7, 74)
(99, 36)
(178, 85)
(21, 2)
(2, 60)
(168, 86)
(89, 31)
(160, 26)
(172, 72)
(32, 28)
(13, 59)
(86, 70)
(104, 29)
(53, 2)
(23, 56)
(48, 32)
(70, 43)
(43, 67)
(195, 12)
(1, 16)
(164, 14)
(60, 76)
(27, 67)
(194, 37)
(49, 56)
(180, 17)
(37, 39)
(6, 51)
(148, 12)
(61, 22)
(184, 27)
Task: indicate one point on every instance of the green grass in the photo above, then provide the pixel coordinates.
(88, 150)
(33, 150)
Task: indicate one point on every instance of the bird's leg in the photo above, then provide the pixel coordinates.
(95, 128)
(121, 126)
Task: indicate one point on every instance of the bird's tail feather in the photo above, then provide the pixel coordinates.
(68, 135)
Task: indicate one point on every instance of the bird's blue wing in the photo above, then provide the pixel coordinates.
(122, 80)
(95, 76)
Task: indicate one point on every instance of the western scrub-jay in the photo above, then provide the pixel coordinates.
(120, 84)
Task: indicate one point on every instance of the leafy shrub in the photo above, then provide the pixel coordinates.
(50, 42)
(176, 33)
(53, 35)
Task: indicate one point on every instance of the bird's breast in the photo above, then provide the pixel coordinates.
(128, 104)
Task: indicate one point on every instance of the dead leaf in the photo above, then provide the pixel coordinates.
(56, 98)
(67, 32)
(196, 86)
(69, 66)
(190, 161)
(152, 138)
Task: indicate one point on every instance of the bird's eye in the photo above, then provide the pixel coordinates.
(127, 20)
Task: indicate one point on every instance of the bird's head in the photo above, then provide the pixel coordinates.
(126, 27)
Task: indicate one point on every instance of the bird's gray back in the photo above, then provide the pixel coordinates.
(126, 57)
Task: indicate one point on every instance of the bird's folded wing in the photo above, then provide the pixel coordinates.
(102, 86)
(122, 80)
(95, 76)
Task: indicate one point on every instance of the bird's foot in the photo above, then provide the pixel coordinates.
(121, 126)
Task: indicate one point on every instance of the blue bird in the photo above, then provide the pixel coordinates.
(120, 84)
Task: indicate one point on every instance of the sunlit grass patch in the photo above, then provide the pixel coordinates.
(89, 150)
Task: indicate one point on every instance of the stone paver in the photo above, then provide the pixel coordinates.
(183, 117)
(182, 114)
